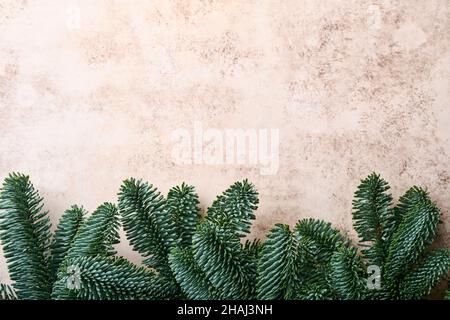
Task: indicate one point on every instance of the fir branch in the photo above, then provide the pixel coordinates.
(182, 207)
(148, 226)
(65, 233)
(277, 267)
(320, 238)
(190, 276)
(373, 219)
(25, 235)
(415, 232)
(235, 207)
(317, 242)
(218, 252)
(107, 278)
(252, 251)
(419, 282)
(98, 234)
(347, 274)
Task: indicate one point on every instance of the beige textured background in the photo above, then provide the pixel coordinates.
(353, 86)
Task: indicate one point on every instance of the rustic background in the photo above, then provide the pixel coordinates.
(91, 91)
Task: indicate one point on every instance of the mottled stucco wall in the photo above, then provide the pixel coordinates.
(92, 91)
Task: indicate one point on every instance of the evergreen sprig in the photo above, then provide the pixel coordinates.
(156, 226)
(373, 219)
(109, 278)
(98, 234)
(414, 234)
(318, 243)
(25, 235)
(182, 206)
(65, 233)
(192, 279)
(419, 282)
(278, 265)
(219, 255)
(216, 264)
(398, 240)
(147, 224)
(347, 274)
(235, 208)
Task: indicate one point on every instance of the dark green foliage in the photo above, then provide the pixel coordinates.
(277, 267)
(372, 217)
(106, 278)
(217, 265)
(190, 276)
(235, 208)
(218, 253)
(252, 252)
(156, 227)
(94, 238)
(195, 258)
(252, 249)
(98, 234)
(315, 291)
(7, 292)
(347, 274)
(84, 248)
(182, 205)
(318, 241)
(148, 226)
(65, 233)
(297, 265)
(419, 282)
(409, 200)
(25, 235)
(415, 232)
(398, 240)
